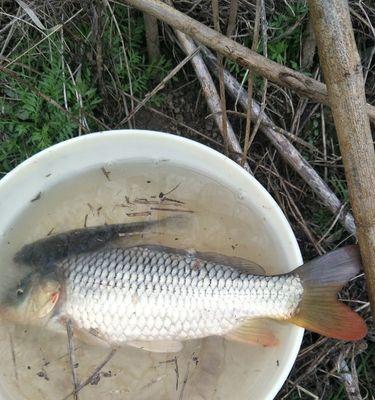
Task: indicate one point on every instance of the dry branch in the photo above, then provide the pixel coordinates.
(271, 70)
(289, 153)
(152, 37)
(342, 71)
(212, 97)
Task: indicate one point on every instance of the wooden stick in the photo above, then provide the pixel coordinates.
(250, 80)
(152, 37)
(342, 71)
(212, 97)
(223, 103)
(271, 70)
(286, 149)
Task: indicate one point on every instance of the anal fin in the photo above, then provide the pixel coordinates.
(157, 346)
(255, 332)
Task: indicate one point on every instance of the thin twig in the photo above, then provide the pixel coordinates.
(212, 96)
(178, 123)
(348, 375)
(265, 81)
(159, 86)
(72, 363)
(324, 137)
(289, 153)
(184, 382)
(106, 2)
(54, 30)
(250, 80)
(332, 225)
(298, 216)
(279, 74)
(93, 375)
(223, 104)
(14, 360)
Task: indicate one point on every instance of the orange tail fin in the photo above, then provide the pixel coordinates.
(319, 310)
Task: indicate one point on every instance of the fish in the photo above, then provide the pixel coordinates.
(155, 297)
(33, 299)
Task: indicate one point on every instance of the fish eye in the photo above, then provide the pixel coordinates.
(19, 292)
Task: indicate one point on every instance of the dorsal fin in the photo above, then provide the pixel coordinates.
(249, 267)
(56, 247)
(241, 264)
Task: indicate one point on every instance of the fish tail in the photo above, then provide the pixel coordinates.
(319, 310)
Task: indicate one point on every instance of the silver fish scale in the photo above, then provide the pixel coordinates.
(144, 293)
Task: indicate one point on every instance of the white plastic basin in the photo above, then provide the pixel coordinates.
(106, 177)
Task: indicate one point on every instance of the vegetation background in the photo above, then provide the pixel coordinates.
(74, 67)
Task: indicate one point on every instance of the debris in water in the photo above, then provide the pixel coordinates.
(176, 371)
(95, 380)
(37, 197)
(171, 209)
(43, 374)
(13, 357)
(106, 173)
(139, 214)
(162, 195)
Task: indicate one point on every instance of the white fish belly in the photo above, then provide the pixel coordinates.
(145, 294)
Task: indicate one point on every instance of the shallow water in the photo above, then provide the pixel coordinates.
(34, 360)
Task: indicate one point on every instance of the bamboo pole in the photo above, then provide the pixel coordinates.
(342, 71)
(271, 70)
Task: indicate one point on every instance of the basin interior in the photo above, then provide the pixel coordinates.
(217, 216)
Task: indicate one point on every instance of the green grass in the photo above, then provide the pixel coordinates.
(286, 50)
(30, 123)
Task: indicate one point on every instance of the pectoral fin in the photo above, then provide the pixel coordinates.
(255, 332)
(157, 346)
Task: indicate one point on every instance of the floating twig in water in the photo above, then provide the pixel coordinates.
(106, 173)
(69, 331)
(176, 371)
(167, 199)
(37, 197)
(93, 375)
(145, 201)
(161, 194)
(170, 209)
(139, 214)
(186, 377)
(13, 357)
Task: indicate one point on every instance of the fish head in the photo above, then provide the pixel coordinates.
(32, 299)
